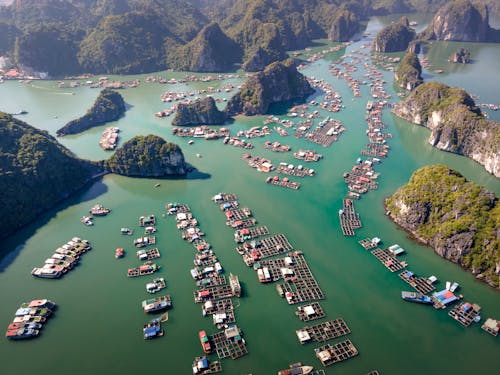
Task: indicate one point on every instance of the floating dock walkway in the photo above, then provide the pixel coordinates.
(310, 312)
(349, 218)
(323, 331)
(465, 313)
(388, 260)
(329, 354)
(420, 284)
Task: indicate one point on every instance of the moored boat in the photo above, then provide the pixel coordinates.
(205, 342)
(19, 334)
(156, 304)
(119, 253)
(416, 297)
(296, 369)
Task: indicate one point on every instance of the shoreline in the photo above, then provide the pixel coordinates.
(420, 241)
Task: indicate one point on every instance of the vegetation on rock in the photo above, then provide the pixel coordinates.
(408, 73)
(344, 26)
(36, 172)
(210, 51)
(459, 219)
(147, 156)
(462, 20)
(201, 112)
(109, 106)
(460, 56)
(394, 37)
(457, 124)
(279, 82)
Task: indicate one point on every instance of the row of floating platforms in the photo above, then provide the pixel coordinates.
(323, 331)
(214, 291)
(246, 234)
(283, 182)
(349, 218)
(275, 260)
(329, 354)
(327, 132)
(312, 311)
(264, 248)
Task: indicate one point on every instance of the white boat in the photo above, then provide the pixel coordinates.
(453, 287)
(448, 285)
(432, 279)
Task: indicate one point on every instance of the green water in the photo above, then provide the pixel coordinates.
(98, 323)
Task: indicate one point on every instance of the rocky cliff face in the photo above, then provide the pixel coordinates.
(395, 37)
(461, 56)
(456, 124)
(462, 20)
(109, 106)
(210, 51)
(147, 156)
(279, 82)
(460, 220)
(408, 74)
(344, 26)
(201, 112)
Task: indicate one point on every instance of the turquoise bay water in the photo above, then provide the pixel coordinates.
(98, 323)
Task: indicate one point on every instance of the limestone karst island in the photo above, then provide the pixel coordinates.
(250, 187)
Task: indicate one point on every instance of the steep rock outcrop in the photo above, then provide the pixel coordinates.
(408, 73)
(394, 37)
(147, 156)
(344, 26)
(456, 124)
(279, 82)
(460, 56)
(109, 106)
(36, 173)
(460, 220)
(210, 51)
(201, 112)
(462, 20)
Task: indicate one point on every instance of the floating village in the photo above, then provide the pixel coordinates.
(269, 257)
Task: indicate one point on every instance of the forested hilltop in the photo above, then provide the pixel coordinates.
(459, 219)
(65, 37)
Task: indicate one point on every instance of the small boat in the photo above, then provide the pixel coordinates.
(416, 297)
(126, 231)
(453, 287)
(198, 155)
(296, 369)
(205, 342)
(190, 142)
(157, 185)
(432, 279)
(448, 285)
(87, 220)
(119, 253)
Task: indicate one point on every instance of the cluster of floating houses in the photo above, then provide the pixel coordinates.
(64, 259)
(29, 319)
(109, 138)
(214, 291)
(424, 289)
(274, 259)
